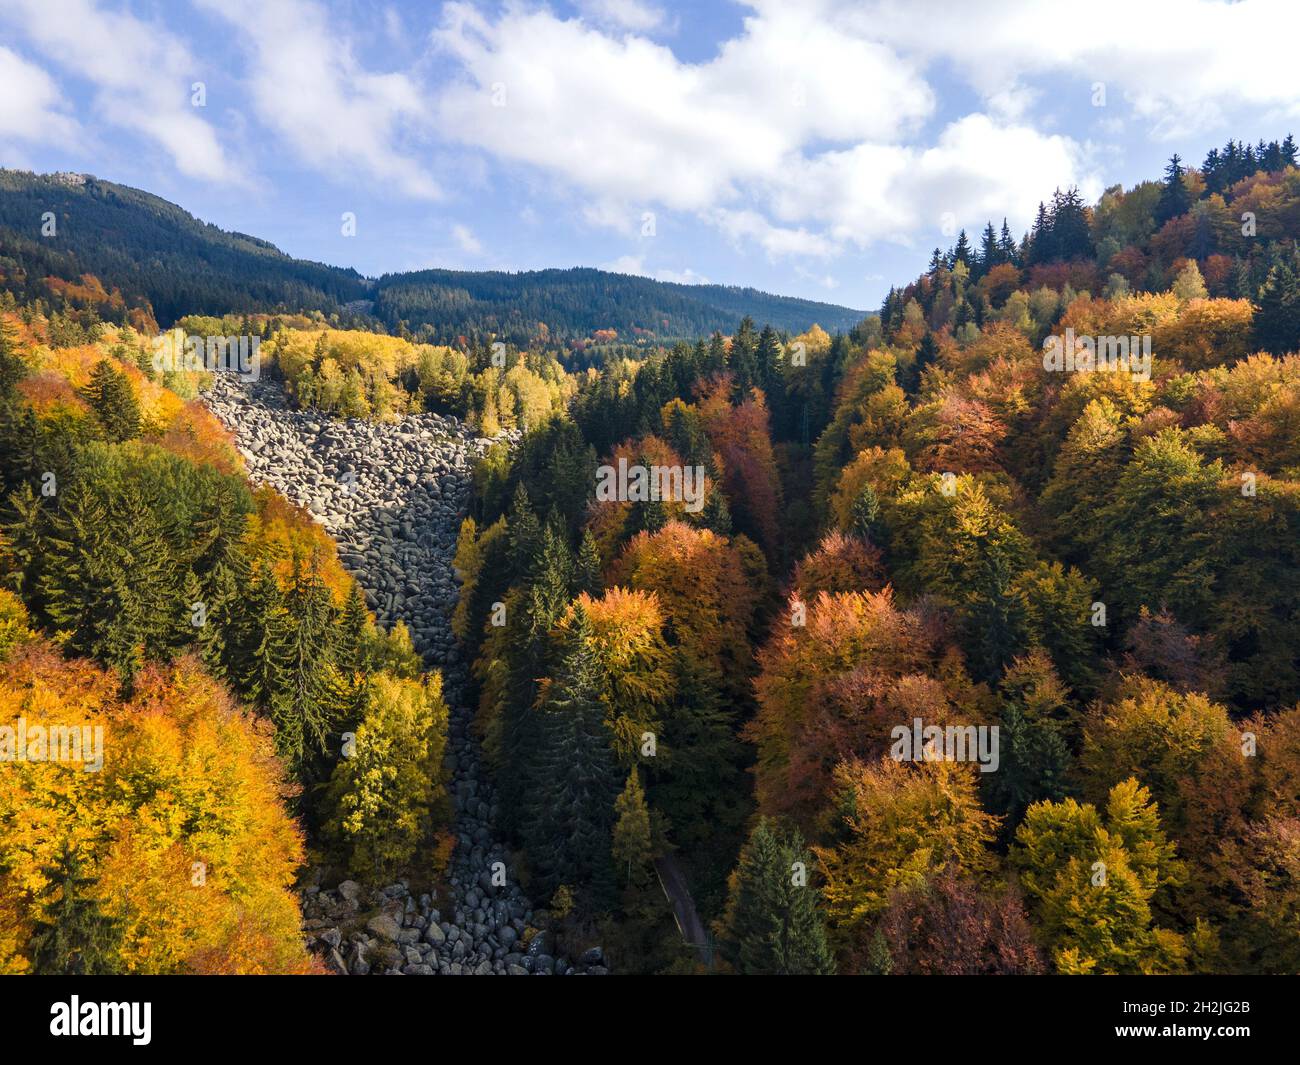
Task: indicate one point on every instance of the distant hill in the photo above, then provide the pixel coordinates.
(163, 260)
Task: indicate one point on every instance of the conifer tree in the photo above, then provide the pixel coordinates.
(716, 362)
(961, 252)
(989, 255)
(525, 535)
(571, 802)
(544, 601)
(1277, 316)
(716, 515)
(587, 576)
(301, 705)
(744, 358)
(866, 514)
(112, 398)
(107, 580)
(13, 368)
(1006, 245)
(259, 645)
(1174, 197)
(771, 369)
(772, 926)
(74, 937)
(632, 848)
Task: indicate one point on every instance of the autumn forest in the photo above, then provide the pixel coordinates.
(790, 647)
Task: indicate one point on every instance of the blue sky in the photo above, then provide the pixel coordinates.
(817, 148)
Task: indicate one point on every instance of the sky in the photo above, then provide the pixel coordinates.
(813, 148)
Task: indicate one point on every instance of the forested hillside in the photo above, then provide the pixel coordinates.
(973, 518)
(582, 303)
(128, 255)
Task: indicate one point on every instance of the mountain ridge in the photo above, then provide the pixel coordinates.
(165, 262)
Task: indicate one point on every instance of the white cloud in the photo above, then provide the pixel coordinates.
(778, 241)
(624, 120)
(140, 72)
(635, 265)
(795, 138)
(466, 240)
(632, 15)
(309, 88)
(1178, 65)
(31, 106)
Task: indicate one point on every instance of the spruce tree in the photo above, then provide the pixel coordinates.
(525, 535)
(301, 704)
(1174, 198)
(716, 361)
(1277, 314)
(771, 370)
(587, 576)
(107, 579)
(73, 936)
(258, 649)
(1006, 245)
(113, 401)
(866, 514)
(544, 601)
(13, 368)
(772, 926)
(961, 252)
(744, 358)
(988, 253)
(570, 807)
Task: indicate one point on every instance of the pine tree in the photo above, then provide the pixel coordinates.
(112, 398)
(772, 926)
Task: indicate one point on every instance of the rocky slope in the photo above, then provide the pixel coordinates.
(392, 497)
